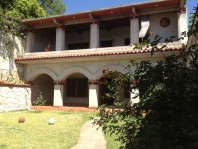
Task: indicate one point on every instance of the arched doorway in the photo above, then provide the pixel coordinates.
(76, 90)
(44, 85)
(103, 89)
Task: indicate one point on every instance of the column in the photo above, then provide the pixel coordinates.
(60, 39)
(134, 95)
(93, 93)
(29, 43)
(58, 93)
(94, 36)
(182, 24)
(134, 30)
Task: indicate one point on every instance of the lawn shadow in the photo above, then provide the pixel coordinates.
(68, 112)
(35, 111)
(2, 146)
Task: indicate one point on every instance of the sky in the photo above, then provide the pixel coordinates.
(73, 6)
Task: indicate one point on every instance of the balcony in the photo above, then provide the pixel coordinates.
(95, 54)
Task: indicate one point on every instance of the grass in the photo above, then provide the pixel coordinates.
(111, 142)
(35, 133)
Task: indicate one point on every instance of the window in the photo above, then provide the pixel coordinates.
(77, 87)
(74, 46)
(127, 41)
(106, 43)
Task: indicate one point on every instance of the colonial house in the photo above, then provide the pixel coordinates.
(65, 55)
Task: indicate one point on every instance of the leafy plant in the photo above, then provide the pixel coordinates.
(40, 101)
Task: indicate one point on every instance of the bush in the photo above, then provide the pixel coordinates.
(39, 101)
(167, 115)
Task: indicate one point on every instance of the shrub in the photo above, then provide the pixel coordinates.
(40, 101)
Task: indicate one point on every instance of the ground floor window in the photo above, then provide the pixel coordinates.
(77, 87)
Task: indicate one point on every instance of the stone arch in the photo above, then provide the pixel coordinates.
(76, 90)
(67, 72)
(36, 72)
(113, 67)
(100, 76)
(43, 85)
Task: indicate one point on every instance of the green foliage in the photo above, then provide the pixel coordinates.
(26, 9)
(9, 24)
(16, 10)
(53, 7)
(167, 115)
(40, 101)
(114, 78)
(192, 18)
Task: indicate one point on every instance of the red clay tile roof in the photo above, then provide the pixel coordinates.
(93, 52)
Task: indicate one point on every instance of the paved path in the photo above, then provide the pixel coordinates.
(91, 138)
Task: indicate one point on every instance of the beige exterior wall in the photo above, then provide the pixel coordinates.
(92, 69)
(9, 70)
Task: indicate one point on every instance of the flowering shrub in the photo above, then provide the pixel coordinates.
(11, 25)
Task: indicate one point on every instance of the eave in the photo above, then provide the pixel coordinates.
(104, 14)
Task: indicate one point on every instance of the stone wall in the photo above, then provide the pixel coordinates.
(14, 97)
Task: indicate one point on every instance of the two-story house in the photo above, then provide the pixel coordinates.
(65, 55)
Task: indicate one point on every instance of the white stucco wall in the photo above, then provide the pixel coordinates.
(92, 69)
(165, 32)
(60, 71)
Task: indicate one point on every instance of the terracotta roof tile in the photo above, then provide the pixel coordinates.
(94, 52)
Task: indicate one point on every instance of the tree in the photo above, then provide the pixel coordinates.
(167, 115)
(25, 9)
(53, 7)
(16, 10)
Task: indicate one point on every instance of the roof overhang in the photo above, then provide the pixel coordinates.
(105, 14)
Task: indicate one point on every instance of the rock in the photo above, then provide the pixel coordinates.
(21, 119)
(51, 121)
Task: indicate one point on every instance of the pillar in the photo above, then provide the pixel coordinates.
(134, 94)
(94, 36)
(134, 30)
(182, 24)
(93, 93)
(60, 39)
(58, 93)
(29, 43)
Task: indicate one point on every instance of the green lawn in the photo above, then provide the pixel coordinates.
(35, 133)
(111, 142)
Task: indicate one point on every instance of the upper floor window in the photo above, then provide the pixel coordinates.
(73, 46)
(127, 41)
(106, 43)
